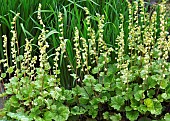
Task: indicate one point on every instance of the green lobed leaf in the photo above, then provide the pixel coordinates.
(106, 115)
(96, 69)
(34, 112)
(89, 80)
(163, 83)
(157, 108)
(151, 93)
(14, 101)
(94, 103)
(10, 70)
(19, 116)
(48, 115)
(20, 58)
(149, 103)
(117, 102)
(84, 100)
(77, 110)
(93, 112)
(61, 112)
(139, 95)
(151, 82)
(115, 117)
(167, 117)
(98, 88)
(132, 115)
(3, 75)
(164, 95)
(112, 69)
(135, 104)
(128, 108)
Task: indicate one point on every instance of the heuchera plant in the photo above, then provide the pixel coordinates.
(135, 87)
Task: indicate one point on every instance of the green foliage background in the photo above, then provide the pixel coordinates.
(28, 27)
(129, 80)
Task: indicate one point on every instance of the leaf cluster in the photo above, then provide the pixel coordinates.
(135, 86)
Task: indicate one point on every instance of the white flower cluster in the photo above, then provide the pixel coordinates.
(61, 34)
(85, 48)
(5, 61)
(162, 43)
(28, 63)
(77, 48)
(61, 49)
(43, 44)
(101, 43)
(92, 46)
(56, 71)
(14, 42)
(121, 63)
(143, 40)
(91, 40)
(121, 44)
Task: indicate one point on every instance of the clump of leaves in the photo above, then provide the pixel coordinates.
(40, 99)
(136, 86)
(33, 93)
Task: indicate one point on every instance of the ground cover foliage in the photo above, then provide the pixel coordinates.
(118, 69)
